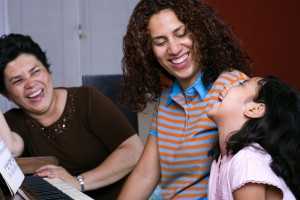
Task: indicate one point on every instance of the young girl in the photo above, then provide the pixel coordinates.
(259, 136)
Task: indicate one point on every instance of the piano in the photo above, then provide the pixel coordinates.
(60, 190)
(30, 187)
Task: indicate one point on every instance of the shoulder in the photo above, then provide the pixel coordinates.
(92, 97)
(225, 81)
(14, 113)
(81, 89)
(254, 149)
(230, 77)
(249, 154)
(85, 92)
(252, 165)
(84, 97)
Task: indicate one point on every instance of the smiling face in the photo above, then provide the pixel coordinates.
(29, 84)
(173, 46)
(233, 110)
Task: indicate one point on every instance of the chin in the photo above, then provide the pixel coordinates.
(38, 111)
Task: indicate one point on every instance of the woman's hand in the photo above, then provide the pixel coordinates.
(54, 171)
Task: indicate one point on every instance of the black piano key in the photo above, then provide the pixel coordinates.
(43, 190)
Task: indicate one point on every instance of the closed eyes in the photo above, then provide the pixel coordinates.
(179, 32)
(242, 82)
(17, 81)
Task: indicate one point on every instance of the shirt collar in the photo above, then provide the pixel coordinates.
(197, 87)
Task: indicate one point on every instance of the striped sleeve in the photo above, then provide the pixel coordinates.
(153, 125)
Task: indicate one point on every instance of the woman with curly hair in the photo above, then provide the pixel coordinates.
(185, 43)
(259, 142)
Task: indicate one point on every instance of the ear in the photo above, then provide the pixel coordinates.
(254, 110)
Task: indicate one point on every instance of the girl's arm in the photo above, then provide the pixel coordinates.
(257, 191)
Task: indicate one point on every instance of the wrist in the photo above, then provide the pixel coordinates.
(80, 180)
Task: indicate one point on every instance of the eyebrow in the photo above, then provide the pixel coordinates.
(33, 68)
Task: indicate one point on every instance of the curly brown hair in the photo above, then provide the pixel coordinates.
(217, 48)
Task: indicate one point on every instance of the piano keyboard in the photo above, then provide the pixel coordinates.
(68, 189)
(37, 188)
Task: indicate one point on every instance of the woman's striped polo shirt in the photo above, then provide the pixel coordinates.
(185, 135)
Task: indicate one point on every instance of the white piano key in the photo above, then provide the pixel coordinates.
(68, 189)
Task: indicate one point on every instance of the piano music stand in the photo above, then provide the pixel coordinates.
(29, 164)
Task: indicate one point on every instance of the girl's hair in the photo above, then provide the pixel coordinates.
(278, 131)
(216, 48)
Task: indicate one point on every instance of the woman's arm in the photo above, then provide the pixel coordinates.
(145, 176)
(117, 165)
(11, 139)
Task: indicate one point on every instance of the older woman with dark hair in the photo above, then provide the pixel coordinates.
(93, 141)
(180, 54)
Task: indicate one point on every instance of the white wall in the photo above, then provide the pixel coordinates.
(81, 36)
(4, 29)
(53, 24)
(104, 24)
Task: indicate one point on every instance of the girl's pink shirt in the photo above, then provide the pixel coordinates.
(249, 165)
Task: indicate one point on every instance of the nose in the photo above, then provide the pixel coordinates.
(29, 82)
(174, 47)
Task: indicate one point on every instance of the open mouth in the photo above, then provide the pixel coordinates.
(179, 60)
(35, 94)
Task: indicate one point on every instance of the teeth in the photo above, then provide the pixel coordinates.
(180, 59)
(35, 93)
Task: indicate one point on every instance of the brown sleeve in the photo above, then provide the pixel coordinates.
(106, 121)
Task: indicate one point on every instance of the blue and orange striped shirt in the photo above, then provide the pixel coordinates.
(185, 135)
